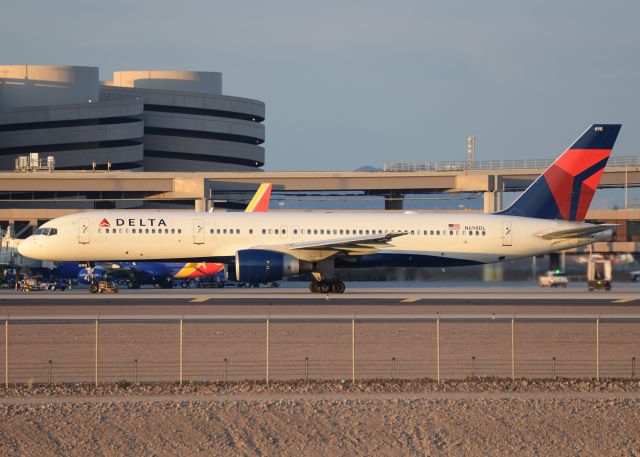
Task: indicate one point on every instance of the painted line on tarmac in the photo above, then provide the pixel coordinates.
(623, 300)
(411, 300)
(199, 300)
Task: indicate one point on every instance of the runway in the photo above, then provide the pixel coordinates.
(297, 300)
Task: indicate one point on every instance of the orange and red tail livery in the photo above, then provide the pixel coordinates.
(566, 188)
(260, 201)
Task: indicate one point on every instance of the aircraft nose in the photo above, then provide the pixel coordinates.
(25, 248)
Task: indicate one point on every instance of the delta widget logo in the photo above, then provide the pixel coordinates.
(104, 223)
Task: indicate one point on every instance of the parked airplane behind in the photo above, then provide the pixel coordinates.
(547, 217)
(159, 274)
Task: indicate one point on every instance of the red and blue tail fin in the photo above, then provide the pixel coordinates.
(566, 188)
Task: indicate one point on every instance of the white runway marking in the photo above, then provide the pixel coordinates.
(411, 299)
(199, 299)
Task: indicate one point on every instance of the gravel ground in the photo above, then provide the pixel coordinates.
(418, 417)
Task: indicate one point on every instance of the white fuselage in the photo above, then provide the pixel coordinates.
(163, 235)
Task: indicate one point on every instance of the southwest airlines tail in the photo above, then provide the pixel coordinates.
(260, 201)
(566, 188)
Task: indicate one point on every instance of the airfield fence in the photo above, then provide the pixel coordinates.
(442, 363)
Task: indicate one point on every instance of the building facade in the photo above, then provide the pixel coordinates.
(139, 121)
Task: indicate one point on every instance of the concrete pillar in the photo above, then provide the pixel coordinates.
(393, 202)
(492, 272)
(200, 204)
(489, 202)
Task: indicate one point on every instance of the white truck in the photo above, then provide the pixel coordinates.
(553, 279)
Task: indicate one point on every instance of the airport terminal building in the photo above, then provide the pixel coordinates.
(139, 121)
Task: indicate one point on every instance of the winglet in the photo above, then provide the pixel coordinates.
(260, 201)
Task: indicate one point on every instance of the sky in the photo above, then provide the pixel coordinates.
(353, 83)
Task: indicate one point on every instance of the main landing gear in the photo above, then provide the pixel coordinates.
(326, 286)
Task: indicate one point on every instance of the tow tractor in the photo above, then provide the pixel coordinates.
(103, 286)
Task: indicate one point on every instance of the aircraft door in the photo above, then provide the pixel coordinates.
(507, 234)
(198, 231)
(83, 230)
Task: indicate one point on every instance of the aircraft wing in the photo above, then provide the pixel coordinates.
(575, 232)
(350, 245)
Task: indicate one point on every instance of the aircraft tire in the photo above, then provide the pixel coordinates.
(324, 287)
(93, 289)
(314, 286)
(338, 287)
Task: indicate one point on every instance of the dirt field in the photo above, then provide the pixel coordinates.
(325, 419)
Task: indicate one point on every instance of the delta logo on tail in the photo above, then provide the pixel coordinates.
(104, 223)
(565, 190)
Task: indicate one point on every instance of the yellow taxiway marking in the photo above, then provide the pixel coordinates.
(411, 299)
(199, 300)
(624, 300)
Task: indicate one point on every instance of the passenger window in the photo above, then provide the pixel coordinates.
(250, 231)
(315, 231)
(321, 232)
(153, 230)
(106, 230)
(295, 231)
(284, 231)
(348, 232)
(237, 231)
(360, 232)
(412, 232)
(211, 231)
(437, 232)
(431, 232)
(276, 231)
(341, 231)
(484, 233)
(173, 231)
(179, 230)
(99, 230)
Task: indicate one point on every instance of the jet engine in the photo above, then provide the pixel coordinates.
(260, 266)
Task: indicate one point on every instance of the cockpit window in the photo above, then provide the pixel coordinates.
(46, 231)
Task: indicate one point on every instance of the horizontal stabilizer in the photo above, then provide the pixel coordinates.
(575, 232)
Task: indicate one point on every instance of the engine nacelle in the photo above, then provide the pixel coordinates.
(260, 265)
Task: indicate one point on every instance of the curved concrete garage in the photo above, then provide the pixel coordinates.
(190, 125)
(57, 111)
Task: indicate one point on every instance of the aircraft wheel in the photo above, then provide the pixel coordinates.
(184, 285)
(324, 287)
(313, 287)
(93, 289)
(338, 287)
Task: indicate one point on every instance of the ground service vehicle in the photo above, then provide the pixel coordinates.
(553, 279)
(599, 273)
(103, 286)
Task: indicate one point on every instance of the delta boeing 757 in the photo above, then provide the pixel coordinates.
(264, 247)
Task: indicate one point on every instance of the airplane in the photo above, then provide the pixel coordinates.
(547, 217)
